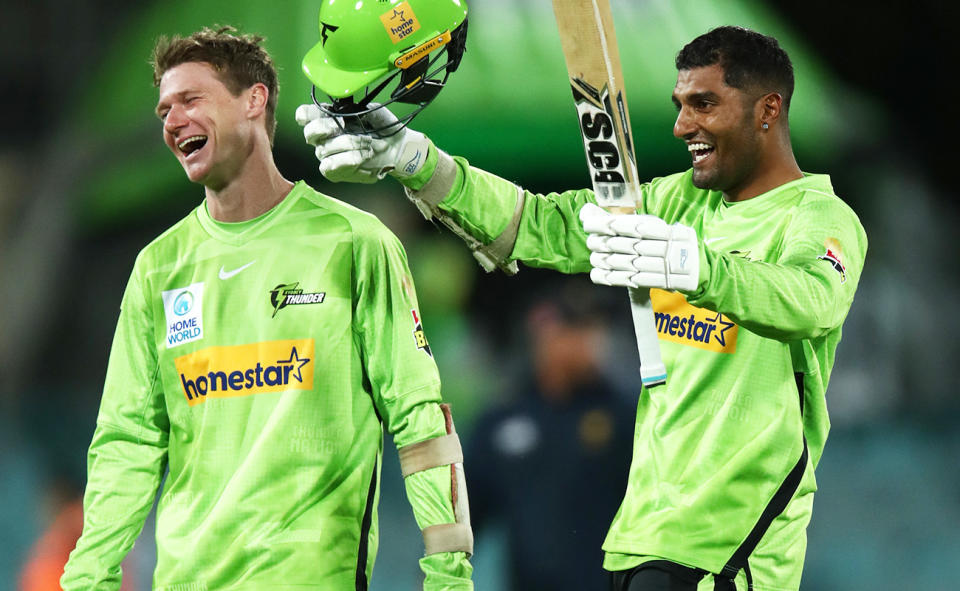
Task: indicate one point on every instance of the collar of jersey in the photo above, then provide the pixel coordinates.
(240, 232)
(772, 198)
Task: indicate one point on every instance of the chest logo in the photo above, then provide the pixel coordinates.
(224, 274)
(183, 312)
(243, 370)
(679, 322)
(290, 294)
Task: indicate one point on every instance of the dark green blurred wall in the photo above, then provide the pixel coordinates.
(507, 108)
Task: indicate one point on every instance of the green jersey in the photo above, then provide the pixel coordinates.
(724, 453)
(256, 363)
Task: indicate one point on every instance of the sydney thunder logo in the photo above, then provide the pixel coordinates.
(324, 32)
(290, 294)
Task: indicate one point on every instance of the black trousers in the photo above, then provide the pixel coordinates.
(661, 575)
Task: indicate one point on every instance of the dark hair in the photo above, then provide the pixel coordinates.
(239, 61)
(750, 61)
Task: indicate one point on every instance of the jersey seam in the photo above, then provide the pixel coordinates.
(129, 432)
(153, 379)
(146, 401)
(824, 193)
(415, 390)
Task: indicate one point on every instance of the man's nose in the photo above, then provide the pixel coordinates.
(684, 126)
(175, 119)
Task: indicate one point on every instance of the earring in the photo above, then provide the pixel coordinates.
(765, 125)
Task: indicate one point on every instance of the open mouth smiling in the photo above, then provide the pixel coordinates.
(700, 150)
(192, 144)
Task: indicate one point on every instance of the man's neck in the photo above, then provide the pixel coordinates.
(257, 189)
(778, 169)
(770, 179)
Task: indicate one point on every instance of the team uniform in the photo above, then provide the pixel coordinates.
(257, 363)
(722, 476)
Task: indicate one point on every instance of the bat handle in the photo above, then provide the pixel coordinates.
(652, 370)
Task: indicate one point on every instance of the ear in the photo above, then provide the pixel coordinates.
(769, 108)
(257, 96)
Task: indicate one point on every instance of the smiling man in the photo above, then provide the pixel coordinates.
(263, 342)
(756, 265)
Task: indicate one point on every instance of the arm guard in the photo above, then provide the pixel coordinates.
(491, 256)
(434, 453)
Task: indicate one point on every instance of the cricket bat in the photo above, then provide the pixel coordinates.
(593, 65)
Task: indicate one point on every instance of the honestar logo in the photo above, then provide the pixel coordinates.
(679, 322)
(400, 21)
(243, 370)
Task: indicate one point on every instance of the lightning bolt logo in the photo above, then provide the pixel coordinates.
(325, 31)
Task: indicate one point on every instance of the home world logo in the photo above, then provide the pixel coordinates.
(243, 370)
(183, 310)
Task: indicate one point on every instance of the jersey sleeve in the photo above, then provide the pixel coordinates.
(405, 385)
(807, 291)
(128, 454)
(549, 234)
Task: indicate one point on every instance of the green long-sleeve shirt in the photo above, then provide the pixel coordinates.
(256, 362)
(713, 446)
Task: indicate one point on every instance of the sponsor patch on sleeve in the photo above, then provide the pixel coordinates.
(834, 255)
(418, 335)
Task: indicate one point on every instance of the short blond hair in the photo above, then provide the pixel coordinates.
(239, 60)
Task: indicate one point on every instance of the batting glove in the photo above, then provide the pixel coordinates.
(640, 250)
(357, 158)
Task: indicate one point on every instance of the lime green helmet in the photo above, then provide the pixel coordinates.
(367, 45)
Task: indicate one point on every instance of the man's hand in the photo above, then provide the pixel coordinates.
(640, 250)
(355, 158)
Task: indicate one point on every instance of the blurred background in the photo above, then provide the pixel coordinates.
(540, 368)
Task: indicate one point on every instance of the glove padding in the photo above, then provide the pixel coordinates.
(356, 158)
(640, 250)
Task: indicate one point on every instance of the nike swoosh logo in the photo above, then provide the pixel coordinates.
(709, 240)
(224, 274)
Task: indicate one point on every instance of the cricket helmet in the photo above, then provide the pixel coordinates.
(367, 46)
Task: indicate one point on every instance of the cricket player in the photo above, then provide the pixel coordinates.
(754, 264)
(263, 343)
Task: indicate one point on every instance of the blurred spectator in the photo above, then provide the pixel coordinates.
(552, 464)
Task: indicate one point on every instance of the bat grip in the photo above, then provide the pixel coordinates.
(652, 370)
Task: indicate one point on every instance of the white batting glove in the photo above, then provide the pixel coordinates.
(357, 158)
(640, 250)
